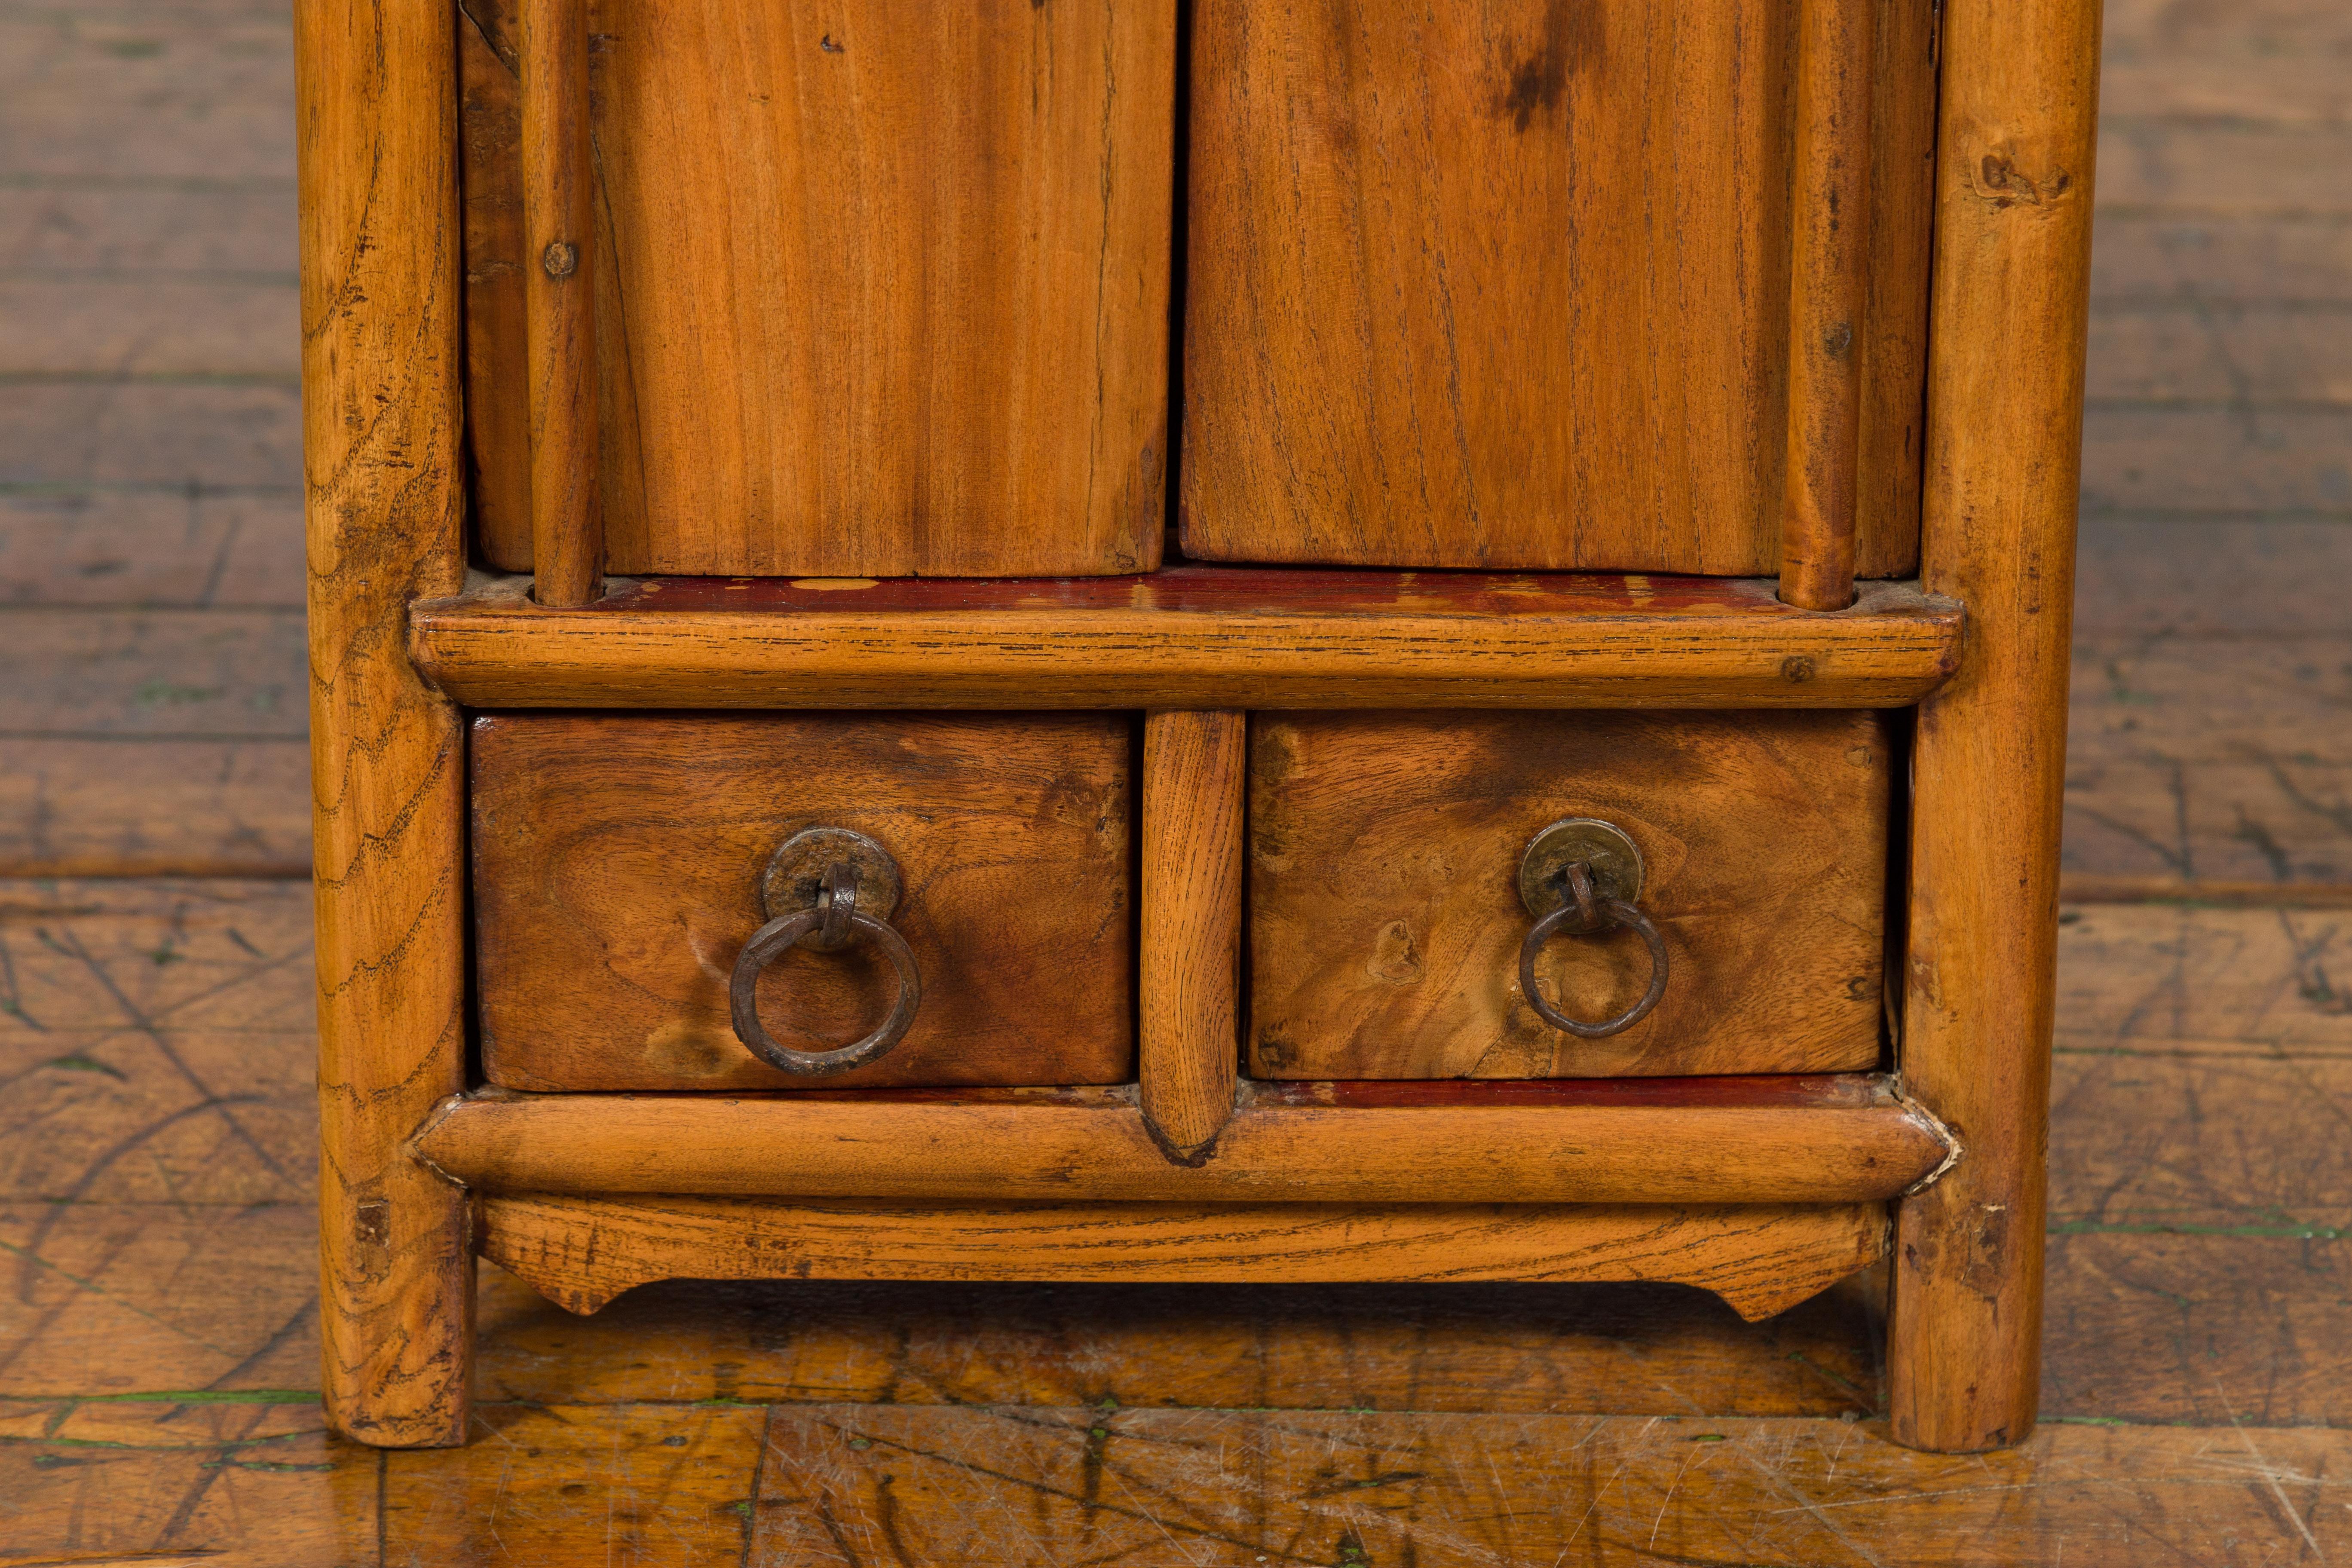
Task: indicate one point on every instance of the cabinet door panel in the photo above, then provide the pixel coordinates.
(1506, 285)
(882, 284)
(1385, 918)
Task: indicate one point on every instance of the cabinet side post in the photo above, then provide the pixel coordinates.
(384, 515)
(2005, 395)
(567, 526)
(1829, 273)
(1189, 1038)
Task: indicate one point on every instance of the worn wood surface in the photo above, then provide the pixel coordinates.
(174, 1483)
(384, 516)
(1188, 1029)
(2017, 134)
(1706, 1140)
(583, 1252)
(1190, 636)
(1231, 1487)
(155, 742)
(618, 866)
(1385, 916)
(1459, 281)
(155, 808)
(670, 1487)
(977, 206)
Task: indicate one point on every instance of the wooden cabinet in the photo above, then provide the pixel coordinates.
(1201, 960)
(1386, 916)
(620, 865)
(1511, 285)
(879, 289)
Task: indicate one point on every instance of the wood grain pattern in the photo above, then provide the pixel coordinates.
(617, 872)
(137, 546)
(156, 807)
(1778, 1142)
(381, 432)
(559, 297)
(1385, 917)
(1509, 286)
(1829, 256)
(172, 1485)
(158, 1044)
(649, 1485)
(101, 1299)
(583, 1252)
(220, 674)
(1202, 637)
(886, 287)
(2253, 982)
(1226, 1487)
(2214, 766)
(833, 1482)
(2012, 276)
(1189, 1033)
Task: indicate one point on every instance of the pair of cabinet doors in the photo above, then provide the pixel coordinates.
(621, 865)
(899, 287)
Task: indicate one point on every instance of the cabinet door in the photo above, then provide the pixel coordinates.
(882, 284)
(1386, 918)
(1507, 284)
(620, 864)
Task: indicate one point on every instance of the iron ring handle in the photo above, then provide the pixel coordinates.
(770, 944)
(1609, 912)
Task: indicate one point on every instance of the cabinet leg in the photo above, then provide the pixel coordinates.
(384, 514)
(396, 1307)
(2016, 114)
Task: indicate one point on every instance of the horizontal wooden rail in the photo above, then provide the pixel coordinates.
(1801, 1140)
(1192, 637)
(581, 1252)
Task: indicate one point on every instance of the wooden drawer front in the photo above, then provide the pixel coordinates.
(881, 285)
(617, 869)
(1508, 285)
(1385, 918)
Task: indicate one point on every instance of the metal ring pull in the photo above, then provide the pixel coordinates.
(855, 870)
(1596, 867)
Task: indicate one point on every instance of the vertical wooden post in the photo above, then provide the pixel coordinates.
(567, 520)
(1828, 267)
(1189, 1038)
(384, 516)
(2004, 421)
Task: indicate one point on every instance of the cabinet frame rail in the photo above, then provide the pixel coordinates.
(1190, 638)
(1817, 1139)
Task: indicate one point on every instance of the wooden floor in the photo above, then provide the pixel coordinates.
(157, 1337)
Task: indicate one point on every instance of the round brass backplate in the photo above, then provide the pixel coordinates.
(796, 872)
(1609, 854)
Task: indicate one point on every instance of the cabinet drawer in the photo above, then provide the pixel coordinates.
(1386, 919)
(618, 870)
